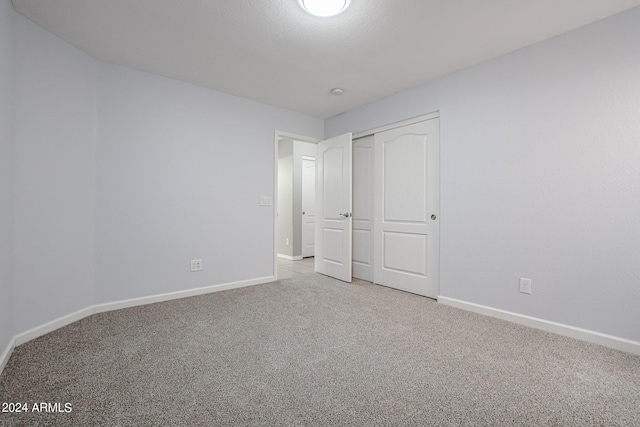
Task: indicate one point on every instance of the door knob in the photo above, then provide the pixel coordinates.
(346, 215)
(433, 217)
(302, 213)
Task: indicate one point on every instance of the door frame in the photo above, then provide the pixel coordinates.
(424, 117)
(278, 135)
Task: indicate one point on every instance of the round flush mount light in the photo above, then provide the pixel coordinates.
(324, 8)
(337, 91)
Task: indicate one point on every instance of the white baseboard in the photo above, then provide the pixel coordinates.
(546, 325)
(6, 354)
(133, 302)
(558, 328)
(52, 325)
(290, 258)
(117, 305)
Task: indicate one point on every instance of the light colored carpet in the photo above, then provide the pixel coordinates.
(315, 351)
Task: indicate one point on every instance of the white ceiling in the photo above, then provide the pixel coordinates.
(272, 51)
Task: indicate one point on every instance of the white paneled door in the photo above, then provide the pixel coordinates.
(333, 207)
(363, 208)
(406, 240)
(308, 206)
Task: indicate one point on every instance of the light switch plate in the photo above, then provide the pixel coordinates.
(265, 201)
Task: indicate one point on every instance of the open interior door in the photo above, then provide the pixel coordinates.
(333, 207)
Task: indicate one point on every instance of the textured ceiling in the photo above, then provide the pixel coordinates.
(272, 51)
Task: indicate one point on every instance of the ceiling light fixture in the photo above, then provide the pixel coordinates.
(337, 91)
(324, 8)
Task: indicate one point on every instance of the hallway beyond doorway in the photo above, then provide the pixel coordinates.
(288, 269)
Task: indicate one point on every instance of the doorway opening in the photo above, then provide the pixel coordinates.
(294, 235)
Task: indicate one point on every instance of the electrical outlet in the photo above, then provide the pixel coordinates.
(525, 286)
(286, 242)
(196, 265)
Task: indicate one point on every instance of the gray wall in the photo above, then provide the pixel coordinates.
(540, 176)
(285, 197)
(7, 108)
(54, 177)
(121, 177)
(180, 173)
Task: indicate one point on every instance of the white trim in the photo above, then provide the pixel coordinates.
(611, 341)
(51, 326)
(275, 204)
(289, 257)
(133, 302)
(407, 122)
(117, 305)
(6, 354)
(281, 134)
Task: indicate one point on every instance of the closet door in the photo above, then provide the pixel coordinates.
(363, 208)
(406, 186)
